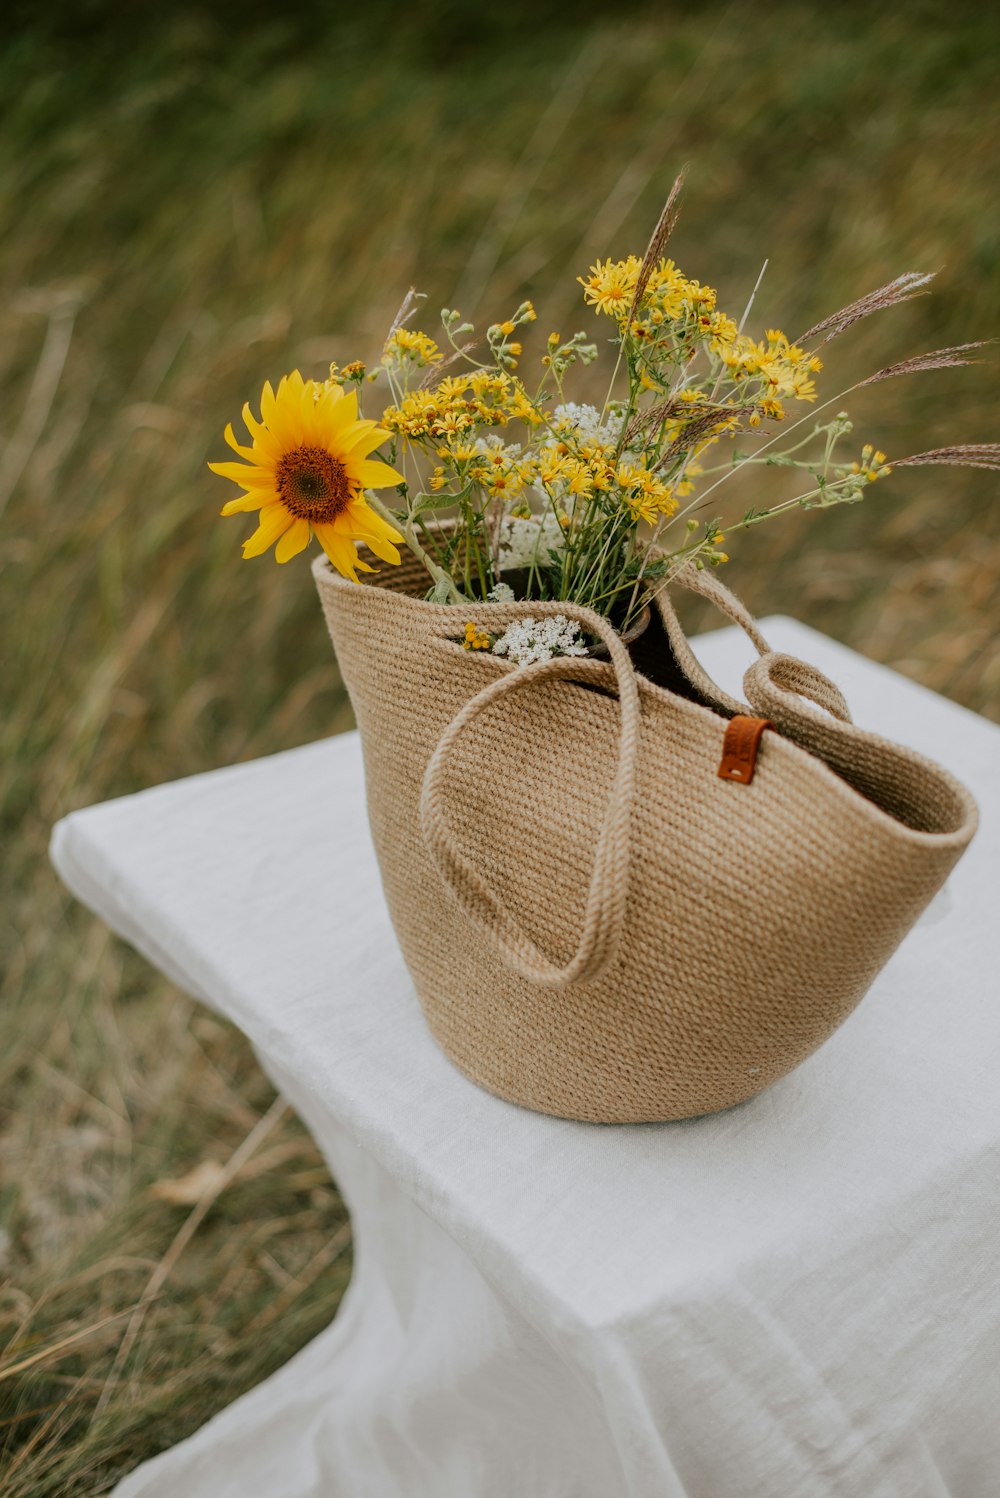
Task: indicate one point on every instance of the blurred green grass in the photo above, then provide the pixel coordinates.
(196, 201)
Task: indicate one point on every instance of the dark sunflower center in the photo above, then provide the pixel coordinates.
(313, 484)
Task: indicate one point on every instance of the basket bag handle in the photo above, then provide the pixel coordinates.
(771, 683)
(792, 677)
(605, 910)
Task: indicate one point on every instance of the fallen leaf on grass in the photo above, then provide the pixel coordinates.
(187, 1190)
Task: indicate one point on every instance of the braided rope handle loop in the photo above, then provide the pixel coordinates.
(774, 683)
(708, 586)
(607, 895)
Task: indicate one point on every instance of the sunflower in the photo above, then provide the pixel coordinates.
(307, 471)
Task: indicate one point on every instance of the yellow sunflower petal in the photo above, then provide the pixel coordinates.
(266, 403)
(295, 539)
(274, 521)
(339, 407)
(248, 502)
(312, 418)
(253, 426)
(285, 422)
(291, 384)
(230, 437)
(376, 475)
(362, 520)
(326, 426)
(339, 548)
(241, 473)
(304, 400)
(381, 548)
(362, 438)
(288, 432)
(265, 444)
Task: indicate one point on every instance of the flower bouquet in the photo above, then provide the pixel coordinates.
(566, 809)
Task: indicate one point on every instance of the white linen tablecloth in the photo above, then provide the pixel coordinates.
(793, 1299)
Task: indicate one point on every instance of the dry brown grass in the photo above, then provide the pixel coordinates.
(195, 211)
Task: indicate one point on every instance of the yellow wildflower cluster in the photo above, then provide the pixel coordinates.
(476, 638)
(587, 471)
(610, 286)
(669, 299)
(873, 464)
(676, 315)
(460, 403)
(559, 356)
(422, 414)
(674, 306)
(499, 336)
(783, 368)
(769, 407)
(646, 496)
(406, 346)
(500, 470)
(355, 373)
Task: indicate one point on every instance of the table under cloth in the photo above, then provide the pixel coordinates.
(796, 1297)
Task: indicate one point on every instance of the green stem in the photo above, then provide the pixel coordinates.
(437, 573)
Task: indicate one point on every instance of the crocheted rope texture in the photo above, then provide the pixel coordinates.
(597, 926)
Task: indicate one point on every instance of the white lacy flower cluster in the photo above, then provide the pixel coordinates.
(584, 424)
(525, 540)
(528, 640)
(491, 444)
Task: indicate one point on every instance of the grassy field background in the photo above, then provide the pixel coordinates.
(201, 200)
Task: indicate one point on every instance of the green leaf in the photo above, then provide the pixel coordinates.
(441, 591)
(423, 502)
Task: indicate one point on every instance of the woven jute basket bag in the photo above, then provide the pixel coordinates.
(620, 897)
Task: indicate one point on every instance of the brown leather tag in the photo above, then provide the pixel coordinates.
(739, 748)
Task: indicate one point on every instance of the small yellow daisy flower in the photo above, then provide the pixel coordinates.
(610, 285)
(409, 345)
